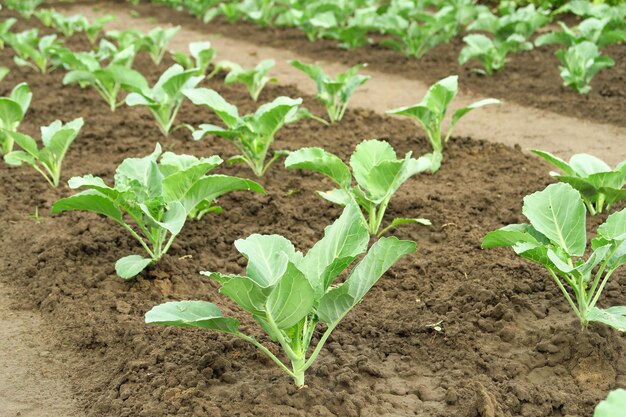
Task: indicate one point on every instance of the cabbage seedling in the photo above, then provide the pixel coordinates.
(431, 111)
(255, 79)
(289, 294)
(157, 196)
(166, 97)
(580, 63)
(56, 139)
(5, 27)
(378, 174)
(599, 185)
(12, 111)
(86, 70)
(25, 7)
(200, 56)
(613, 406)
(510, 34)
(154, 42)
(491, 53)
(67, 25)
(556, 238)
(597, 31)
(252, 134)
(33, 51)
(420, 37)
(334, 94)
(93, 30)
(157, 40)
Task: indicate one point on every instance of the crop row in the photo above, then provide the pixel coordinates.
(414, 27)
(290, 294)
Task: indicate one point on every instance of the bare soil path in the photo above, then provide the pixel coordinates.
(33, 377)
(509, 123)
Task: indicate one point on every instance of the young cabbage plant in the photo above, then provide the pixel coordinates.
(67, 25)
(378, 174)
(288, 294)
(334, 94)
(33, 51)
(580, 63)
(252, 134)
(613, 405)
(255, 79)
(200, 56)
(86, 70)
(557, 238)
(491, 53)
(166, 97)
(5, 29)
(56, 139)
(157, 40)
(597, 31)
(25, 7)
(599, 185)
(420, 37)
(94, 29)
(431, 111)
(157, 196)
(12, 111)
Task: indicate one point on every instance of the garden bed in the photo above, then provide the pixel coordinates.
(530, 78)
(507, 344)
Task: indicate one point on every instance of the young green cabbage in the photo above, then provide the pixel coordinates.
(580, 63)
(25, 7)
(33, 51)
(5, 29)
(599, 185)
(166, 97)
(421, 36)
(431, 111)
(255, 79)
(12, 111)
(509, 33)
(86, 70)
(378, 174)
(200, 56)
(334, 94)
(157, 40)
(157, 196)
(67, 25)
(557, 238)
(491, 53)
(56, 139)
(597, 31)
(252, 134)
(289, 294)
(154, 42)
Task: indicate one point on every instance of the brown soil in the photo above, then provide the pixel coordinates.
(508, 345)
(530, 78)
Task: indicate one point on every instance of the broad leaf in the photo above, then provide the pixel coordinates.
(129, 266)
(558, 212)
(336, 303)
(291, 300)
(192, 314)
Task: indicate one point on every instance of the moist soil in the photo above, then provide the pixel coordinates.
(506, 343)
(530, 78)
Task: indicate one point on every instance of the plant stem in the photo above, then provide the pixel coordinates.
(565, 293)
(320, 344)
(267, 352)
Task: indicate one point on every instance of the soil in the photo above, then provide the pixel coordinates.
(508, 345)
(530, 78)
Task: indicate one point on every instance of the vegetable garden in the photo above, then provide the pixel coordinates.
(202, 238)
